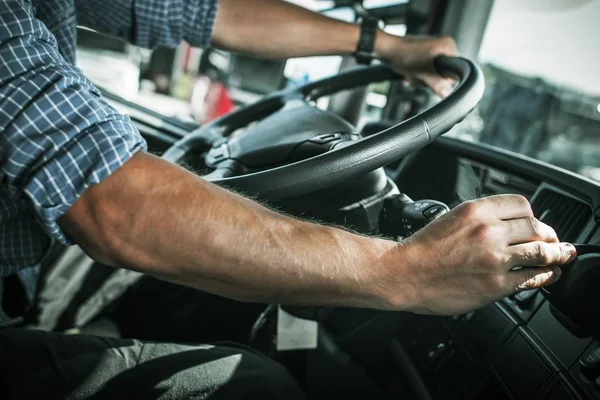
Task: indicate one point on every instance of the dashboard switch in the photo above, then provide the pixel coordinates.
(402, 217)
(433, 212)
(436, 355)
(591, 359)
(217, 154)
(468, 317)
(526, 299)
(326, 138)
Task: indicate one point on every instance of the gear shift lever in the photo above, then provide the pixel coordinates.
(575, 298)
(583, 249)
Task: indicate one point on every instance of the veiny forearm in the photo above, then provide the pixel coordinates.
(277, 29)
(157, 218)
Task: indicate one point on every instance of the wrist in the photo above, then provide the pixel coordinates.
(391, 278)
(387, 46)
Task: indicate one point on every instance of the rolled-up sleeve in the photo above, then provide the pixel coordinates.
(151, 23)
(58, 136)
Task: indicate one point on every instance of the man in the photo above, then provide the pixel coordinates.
(75, 171)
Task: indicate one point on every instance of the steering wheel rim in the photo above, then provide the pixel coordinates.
(358, 157)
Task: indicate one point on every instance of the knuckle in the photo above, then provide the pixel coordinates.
(470, 209)
(483, 233)
(507, 258)
(542, 254)
(498, 282)
(493, 259)
(522, 202)
(534, 226)
(527, 256)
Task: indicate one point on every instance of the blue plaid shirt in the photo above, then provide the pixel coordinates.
(57, 135)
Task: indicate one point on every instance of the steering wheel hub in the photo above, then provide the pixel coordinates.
(283, 137)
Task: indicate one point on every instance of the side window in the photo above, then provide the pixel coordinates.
(377, 94)
(543, 93)
(302, 70)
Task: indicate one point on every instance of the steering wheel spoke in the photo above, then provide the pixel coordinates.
(227, 169)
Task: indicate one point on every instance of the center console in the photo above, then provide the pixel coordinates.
(491, 353)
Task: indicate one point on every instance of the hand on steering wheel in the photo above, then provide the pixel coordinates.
(412, 57)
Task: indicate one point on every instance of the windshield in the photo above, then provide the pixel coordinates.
(541, 64)
(540, 60)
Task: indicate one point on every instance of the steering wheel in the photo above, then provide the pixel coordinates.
(296, 148)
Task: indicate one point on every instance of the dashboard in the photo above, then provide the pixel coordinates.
(521, 347)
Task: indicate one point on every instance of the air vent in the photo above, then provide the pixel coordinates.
(566, 215)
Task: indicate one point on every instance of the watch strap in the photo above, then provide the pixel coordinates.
(364, 53)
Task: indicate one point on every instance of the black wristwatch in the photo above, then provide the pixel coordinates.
(366, 44)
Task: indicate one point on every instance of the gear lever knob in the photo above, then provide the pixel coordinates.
(575, 298)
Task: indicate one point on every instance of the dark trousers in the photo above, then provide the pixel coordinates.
(43, 365)
(157, 310)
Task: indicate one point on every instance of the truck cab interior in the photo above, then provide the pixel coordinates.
(358, 147)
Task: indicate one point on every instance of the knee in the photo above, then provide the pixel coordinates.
(258, 377)
(218, 373)
(277, 383)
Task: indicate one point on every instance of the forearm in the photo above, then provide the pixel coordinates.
(277, 29)
(157, 218)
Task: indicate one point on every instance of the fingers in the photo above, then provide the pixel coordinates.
(532, 278)
(538, 254)
(541, 254)
(443, 86)
(440, 85)
(528, 229)
(505, 207)
(420, 68)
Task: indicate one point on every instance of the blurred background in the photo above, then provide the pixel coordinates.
(540, 59)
